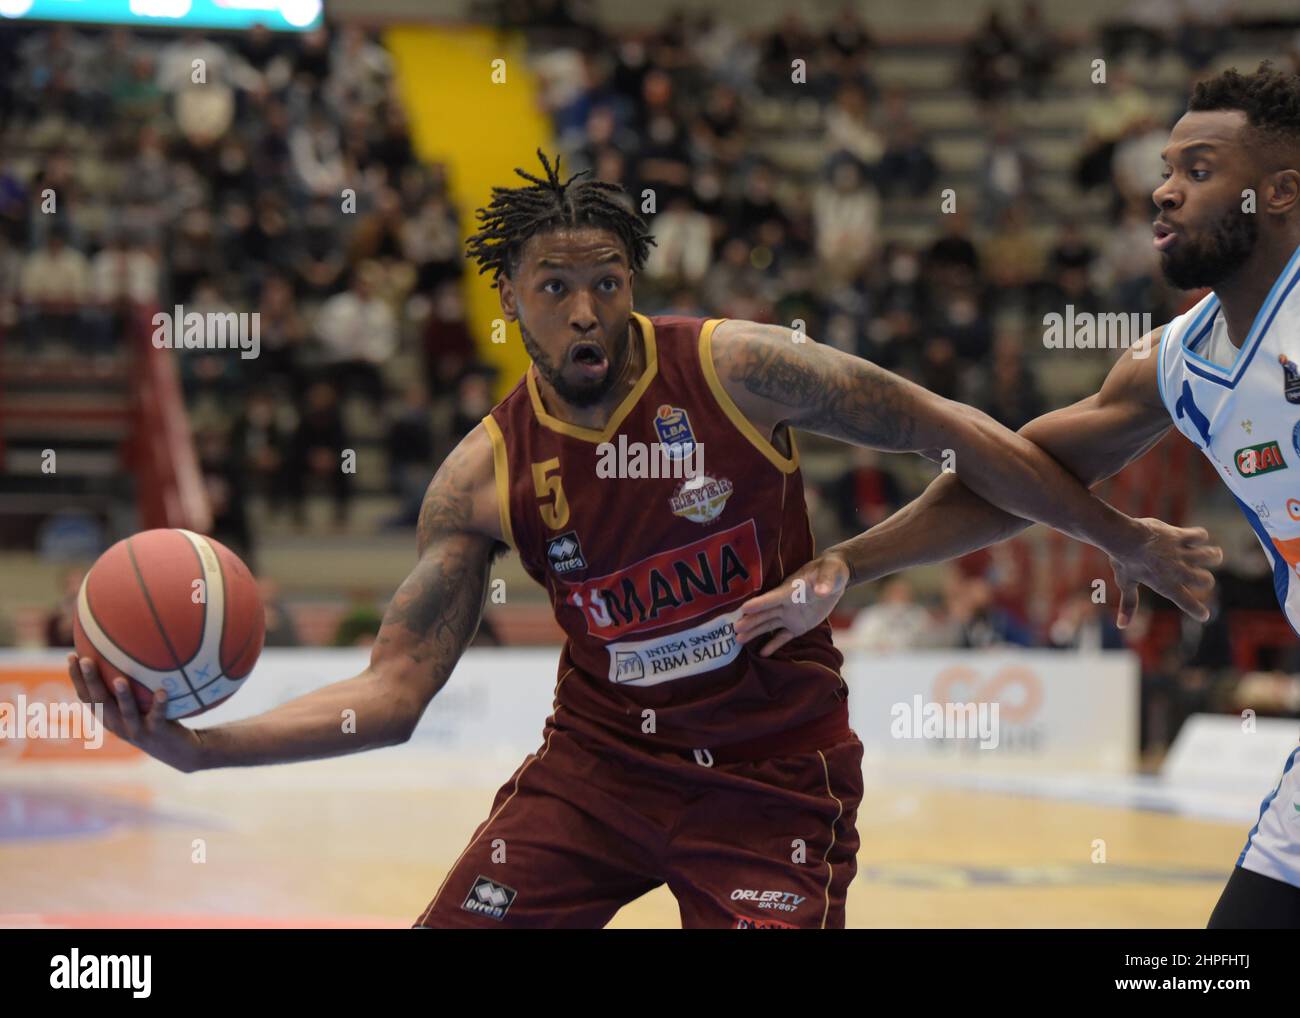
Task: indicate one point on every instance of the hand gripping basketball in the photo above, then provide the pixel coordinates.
(168, 741)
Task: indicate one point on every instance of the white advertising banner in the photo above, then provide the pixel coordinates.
(1000, 710)
(995, 710)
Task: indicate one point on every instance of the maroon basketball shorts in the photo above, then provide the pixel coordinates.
(585, 826)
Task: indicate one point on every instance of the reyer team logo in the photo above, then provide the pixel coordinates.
(701, 499)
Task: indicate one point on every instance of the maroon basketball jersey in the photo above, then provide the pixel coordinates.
(646, 574)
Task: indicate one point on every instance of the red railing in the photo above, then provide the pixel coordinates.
(169, 485)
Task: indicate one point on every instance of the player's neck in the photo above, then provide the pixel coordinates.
(597, 415)
(1243, 293)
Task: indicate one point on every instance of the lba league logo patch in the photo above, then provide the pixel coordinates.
(489, 898)
(1290, 379)
(565, 553)
(674, 430)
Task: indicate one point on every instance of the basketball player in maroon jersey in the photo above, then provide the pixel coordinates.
(673, 754)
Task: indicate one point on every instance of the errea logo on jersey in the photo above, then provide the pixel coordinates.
(1254, 460)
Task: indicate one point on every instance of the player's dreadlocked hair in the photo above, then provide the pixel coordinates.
(516, 213)
(1269, 98)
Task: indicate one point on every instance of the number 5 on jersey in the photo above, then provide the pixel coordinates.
(546, 481)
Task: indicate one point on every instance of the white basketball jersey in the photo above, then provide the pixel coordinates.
(1245, 418)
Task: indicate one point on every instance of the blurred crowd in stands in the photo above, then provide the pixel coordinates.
(226, 196)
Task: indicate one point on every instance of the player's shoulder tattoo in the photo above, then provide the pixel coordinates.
(819, 388)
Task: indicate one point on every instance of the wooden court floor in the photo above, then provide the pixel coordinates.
(361, 841)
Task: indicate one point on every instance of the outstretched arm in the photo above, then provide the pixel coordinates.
(1092, 439)
(428, 624)
(777, 377)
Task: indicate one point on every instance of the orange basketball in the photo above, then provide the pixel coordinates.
(171, 610)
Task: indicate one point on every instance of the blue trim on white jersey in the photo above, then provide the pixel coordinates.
(1200, 328)
(1229, 377)
(1268, 801)
(1281, 568)
(1160, 371)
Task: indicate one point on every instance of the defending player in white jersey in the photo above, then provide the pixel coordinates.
(1233, 357)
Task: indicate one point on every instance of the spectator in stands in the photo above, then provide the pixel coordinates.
(281, 630)
(850, 130)
(318, 261)
(448, 345)
(360, 71)
(1012, 259)
(893, 623)
(430, 241)
(317, 154)
(226, 483)
(991, 61)
(1006, 388)
(259, 442)
(378, 240)
(865, 494)
(135, 99)
(1036, 48)
(971, 619)
(1129, 266)
(54, 286)
(14, 199)
(1202, 32)
(123, 275)
(1117, 106)
(473, 401)
(1135, 164)
(357, 331)
(846, 215)
(952, 259)
(266, 59)
(683, 244)
(316, 453)
(284, 335)
(1006, 174)
(907, 166)
(1086, 626)
(410, 450)
(58, 623)
(850, 46)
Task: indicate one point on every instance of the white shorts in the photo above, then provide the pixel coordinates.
(1273, 845)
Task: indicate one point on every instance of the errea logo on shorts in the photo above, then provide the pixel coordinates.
(778, 901)
(489, 898)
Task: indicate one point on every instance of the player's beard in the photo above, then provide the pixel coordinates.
(1228, 243)
(583, 394)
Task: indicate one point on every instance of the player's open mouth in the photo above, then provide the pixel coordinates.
(1164, 236)
(590, 359)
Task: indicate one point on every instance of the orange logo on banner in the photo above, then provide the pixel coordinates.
(1016, 689)
(46, 686)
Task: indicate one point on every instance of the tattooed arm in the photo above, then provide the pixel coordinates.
(775, 380)
(429, 622)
